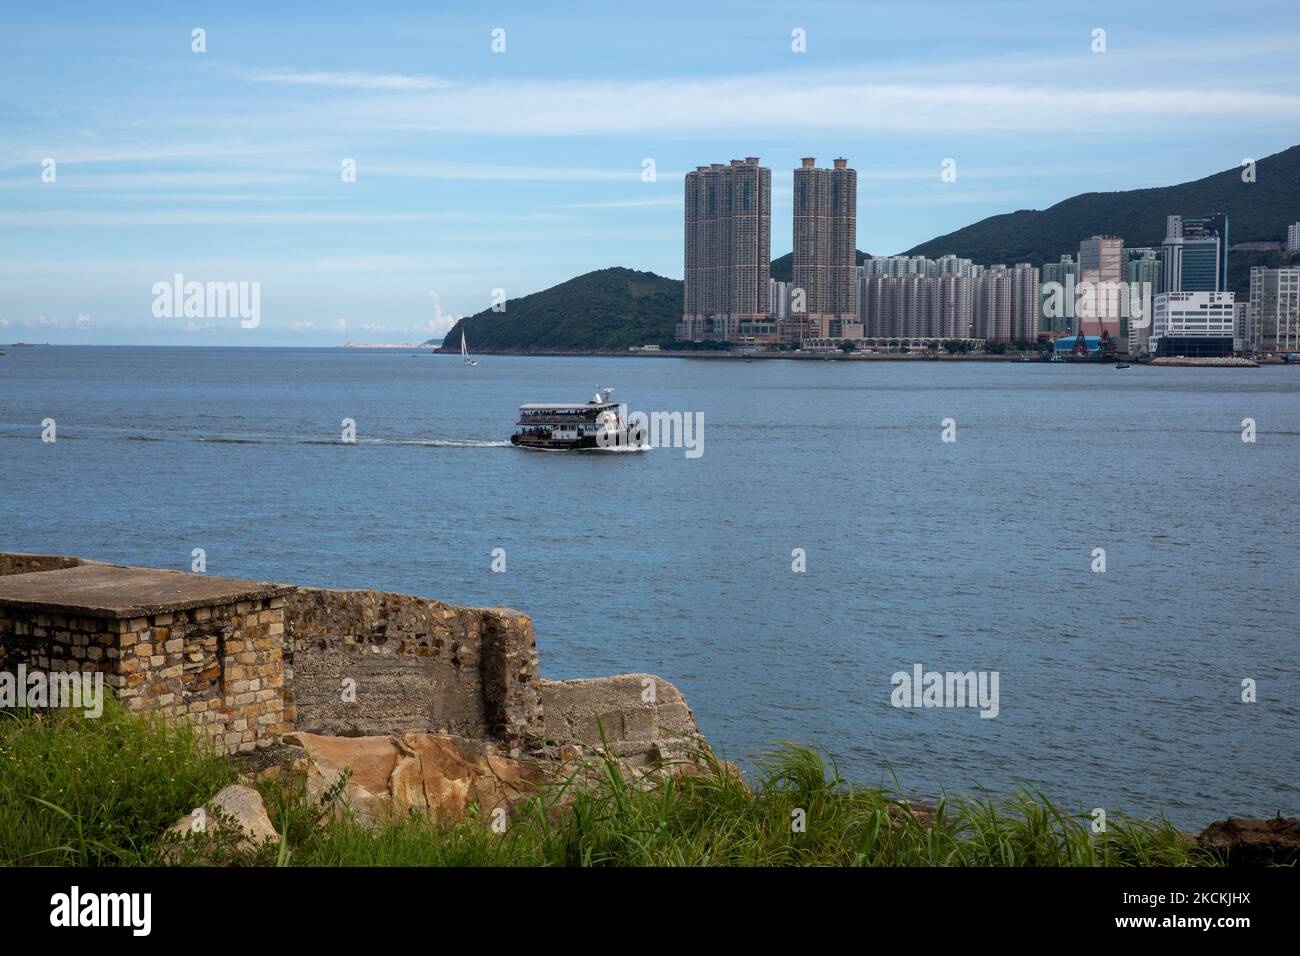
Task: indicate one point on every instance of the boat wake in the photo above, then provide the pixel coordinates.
(426, 442)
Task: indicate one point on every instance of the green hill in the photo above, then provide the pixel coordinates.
(1257, 212)
(607, 309)
(614, 308)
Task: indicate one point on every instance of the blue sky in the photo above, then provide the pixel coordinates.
(517, 170)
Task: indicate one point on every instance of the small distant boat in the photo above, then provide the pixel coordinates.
(1024, 357)
(464, 352)
(1121, 364)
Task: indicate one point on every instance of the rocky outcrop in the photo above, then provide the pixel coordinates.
(441, 775)
(1244, 842)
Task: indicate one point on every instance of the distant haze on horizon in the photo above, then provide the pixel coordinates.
(517, 170)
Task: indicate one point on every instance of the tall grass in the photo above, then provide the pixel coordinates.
(102, 793)
(75, 791)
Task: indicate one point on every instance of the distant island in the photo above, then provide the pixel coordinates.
(383, 345)
(615, 309)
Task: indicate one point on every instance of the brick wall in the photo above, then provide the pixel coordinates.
(221, 667)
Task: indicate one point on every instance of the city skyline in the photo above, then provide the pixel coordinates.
(515, 170)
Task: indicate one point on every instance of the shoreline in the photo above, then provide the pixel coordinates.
(1171, 362)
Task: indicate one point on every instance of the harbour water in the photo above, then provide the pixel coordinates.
(1119, 689)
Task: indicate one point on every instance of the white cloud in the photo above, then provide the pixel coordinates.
(657, 201)
(207, 217)
(45, 322)
(773, 103)
(74, 153)
(535, 172)
(350, 80)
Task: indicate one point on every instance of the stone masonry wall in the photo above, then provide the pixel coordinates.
(638, 717)
(247, 661)
(221, 667)
(374, 662)
(14, 563)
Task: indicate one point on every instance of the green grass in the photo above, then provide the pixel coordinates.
(102, 793)
(97, 792)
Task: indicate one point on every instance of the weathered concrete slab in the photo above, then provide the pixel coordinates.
(626, 708)
(111, 591)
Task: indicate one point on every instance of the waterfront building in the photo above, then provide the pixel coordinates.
(1193, 324)
(1274, 320)
(1293, 237)
(825, 244)
(1195, 254)
(1068, 345)
(953, 265)
(728, 212)
(916, 307)
(1143, 264)
(1143, 271)
(1064, 273)
(918, 265)
(894, 266)
(1241, 337)
(780, 298)
(1101, 266)
(1007, 303)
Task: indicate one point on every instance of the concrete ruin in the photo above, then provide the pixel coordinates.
(248, 662)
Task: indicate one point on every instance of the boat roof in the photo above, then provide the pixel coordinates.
(567, 407)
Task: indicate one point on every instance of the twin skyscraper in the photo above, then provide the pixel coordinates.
(728, 254)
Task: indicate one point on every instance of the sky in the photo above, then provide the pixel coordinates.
(512, 146)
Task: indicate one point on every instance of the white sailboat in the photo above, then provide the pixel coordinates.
(464, 352)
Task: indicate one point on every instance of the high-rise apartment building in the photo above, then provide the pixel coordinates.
(728, 253)
(1195, 254)
(917, 265)
(1143, 265)
(825, 244)
(1241, 336)
(1007, 303)
(1144, 273)
(914, 306)
(1293, 237)
(1274, 321)
(780, 299)
(1101, 271)
(1053, 315)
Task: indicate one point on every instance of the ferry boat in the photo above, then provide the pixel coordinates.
(598, 423)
